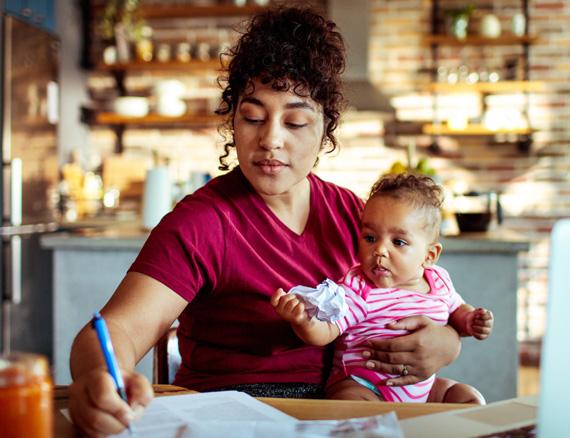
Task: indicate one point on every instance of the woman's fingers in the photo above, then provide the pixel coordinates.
(98, 410)
(424, 351)
(95, 405)
(411, 323)
(139, 392)
(104, 396)
(403, 380)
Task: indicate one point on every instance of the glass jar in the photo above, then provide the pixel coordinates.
(26, 406)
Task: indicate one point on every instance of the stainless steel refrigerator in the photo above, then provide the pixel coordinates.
(28, 128)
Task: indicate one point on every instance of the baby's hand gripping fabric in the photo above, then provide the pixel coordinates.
(327, 301)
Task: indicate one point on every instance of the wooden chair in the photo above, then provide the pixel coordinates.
(166, 358)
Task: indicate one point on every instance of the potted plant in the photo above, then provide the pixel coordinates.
(121, 24)
(459, 20)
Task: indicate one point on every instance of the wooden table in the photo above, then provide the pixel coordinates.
(302, 409)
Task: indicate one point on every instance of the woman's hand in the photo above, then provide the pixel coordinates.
(415, 356)
(96, 407)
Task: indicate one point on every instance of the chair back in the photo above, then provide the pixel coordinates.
(166, 358)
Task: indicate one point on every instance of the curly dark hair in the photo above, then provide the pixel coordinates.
(286, 47)
(419, 190)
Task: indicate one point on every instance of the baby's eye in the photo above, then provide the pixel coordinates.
(400, 242)
(368, 238)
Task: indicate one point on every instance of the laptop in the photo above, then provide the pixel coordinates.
(546, 414)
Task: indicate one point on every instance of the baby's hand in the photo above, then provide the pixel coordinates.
(289, 307)
(480, 323)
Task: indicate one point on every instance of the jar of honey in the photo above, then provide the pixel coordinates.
(26, 407)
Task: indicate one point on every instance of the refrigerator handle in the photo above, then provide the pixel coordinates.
(12, 287)
(13, 190)
(16, 191)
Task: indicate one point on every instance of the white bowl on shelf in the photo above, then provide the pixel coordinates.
(171, 107)
(131, 106)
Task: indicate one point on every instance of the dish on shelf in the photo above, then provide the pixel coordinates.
(131, 106)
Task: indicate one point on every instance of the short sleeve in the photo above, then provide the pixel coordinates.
(440, 280)
(185, 250)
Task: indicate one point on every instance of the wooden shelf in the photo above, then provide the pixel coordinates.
(190, 11)
(488, 87)
(188, 67)
(185, 11)
(473, 129)
(475, 40)
(200, 120)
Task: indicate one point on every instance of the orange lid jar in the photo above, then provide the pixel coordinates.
(26, 407)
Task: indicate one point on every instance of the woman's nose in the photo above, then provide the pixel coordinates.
(271, 136)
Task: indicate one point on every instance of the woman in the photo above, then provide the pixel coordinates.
(217, 258)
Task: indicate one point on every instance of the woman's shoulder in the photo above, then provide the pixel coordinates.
(204, 206)
(333, 192)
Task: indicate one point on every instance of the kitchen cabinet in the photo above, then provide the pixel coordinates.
(515, 126)
(39, 13)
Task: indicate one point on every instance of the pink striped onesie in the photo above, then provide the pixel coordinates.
(370, 309)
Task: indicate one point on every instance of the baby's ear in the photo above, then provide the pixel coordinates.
(433, 252)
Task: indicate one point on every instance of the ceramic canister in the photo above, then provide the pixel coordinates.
(490, 26)
(157, 197)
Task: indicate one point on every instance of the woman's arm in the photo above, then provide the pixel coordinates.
(138, 313)
(424, 352)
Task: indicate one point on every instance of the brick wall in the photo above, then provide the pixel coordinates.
(535, 185)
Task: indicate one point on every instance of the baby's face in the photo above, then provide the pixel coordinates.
(395, 245)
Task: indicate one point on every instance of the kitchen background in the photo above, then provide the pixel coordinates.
(391, 53)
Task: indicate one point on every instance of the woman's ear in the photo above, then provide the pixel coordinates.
(433, 252)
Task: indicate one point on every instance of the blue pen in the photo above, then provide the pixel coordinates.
(98, 323)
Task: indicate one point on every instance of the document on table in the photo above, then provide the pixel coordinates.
(232, 414)
(169, 417)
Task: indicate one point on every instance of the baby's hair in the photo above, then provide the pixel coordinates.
(286, 47)
(418, 190)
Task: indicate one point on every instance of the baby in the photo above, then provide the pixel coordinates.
(396, 277)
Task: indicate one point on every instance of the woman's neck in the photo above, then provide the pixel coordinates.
(293, 207)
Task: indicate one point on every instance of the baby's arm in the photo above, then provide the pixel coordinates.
(310, 330)
(469, 321)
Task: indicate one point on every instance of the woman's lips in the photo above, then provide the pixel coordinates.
(270, 167)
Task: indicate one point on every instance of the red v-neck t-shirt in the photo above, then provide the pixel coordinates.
(226, 252)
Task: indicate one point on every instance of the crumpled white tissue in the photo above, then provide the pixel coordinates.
(327, 301)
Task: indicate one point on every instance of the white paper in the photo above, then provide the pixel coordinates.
(171, 416)
(327, 301)
(380, 426)
(232, 414)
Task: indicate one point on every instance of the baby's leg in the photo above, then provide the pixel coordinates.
(348, 389)
(450, 391)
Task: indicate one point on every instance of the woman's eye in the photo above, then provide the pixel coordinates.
(296, 125)
(253, 120)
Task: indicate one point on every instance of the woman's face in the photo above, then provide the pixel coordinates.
(278, 136)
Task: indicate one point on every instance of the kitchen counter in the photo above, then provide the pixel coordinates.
(130, 235)
(89, 263)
